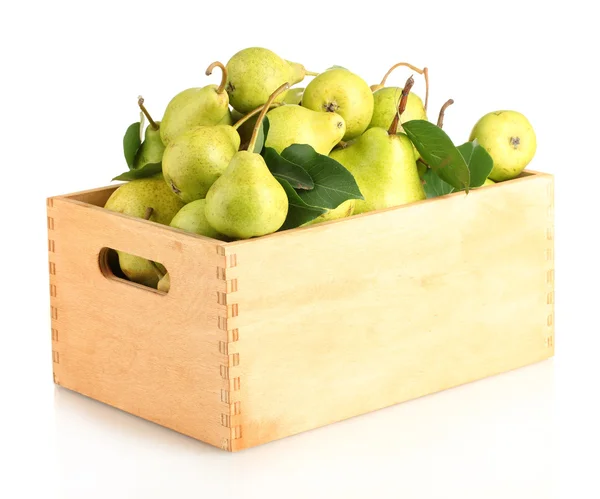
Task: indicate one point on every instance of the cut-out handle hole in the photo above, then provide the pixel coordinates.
(135, 270)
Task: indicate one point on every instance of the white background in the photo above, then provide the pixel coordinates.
(70, 76)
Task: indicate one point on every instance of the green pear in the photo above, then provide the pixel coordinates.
(194, 160)
(254, 73)
(344, 93)
(191, 218)
(509, 139)
(293, 96)
(247, 201)
(293, 124)
(386, 105)
(342, 211)
(489, 181)
(227, 119)
(385, 169)
(151, 150)
(134, 199)
(195, 107)
(246, 128)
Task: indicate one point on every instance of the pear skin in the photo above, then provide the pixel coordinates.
(254, 73)
(164, 284)
(293, 96)
(344, 210)
(192, 108)
(246, 201)
(293, 124)
(344, 93)
(385, 170)
(151, 150)
(509, 139)
(192, 218)
(386, 106)
(133, 198)
(194, 160)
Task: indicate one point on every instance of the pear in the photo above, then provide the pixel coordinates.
(386, 104)
(489, 181)
(195, 107)
(293, 96)
(247, 201)
(191, 218)
(151, 150)
(227, 119)
(293, 124)
(194, 160)
(387, 100)
(342, 92)
(148, 198)
(342, 211)
(254, 73)
(509, 138)
(385, 169)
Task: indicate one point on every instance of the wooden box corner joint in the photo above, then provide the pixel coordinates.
(54, 314)
(229, 370)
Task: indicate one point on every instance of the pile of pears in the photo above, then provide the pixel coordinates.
(215, 183)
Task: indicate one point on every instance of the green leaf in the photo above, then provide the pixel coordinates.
(262, 135)
(281, 168)
(299, 212)
(147, 170)
(333, 184)
(438, 151)
(478, 160)
(131, 142)
(434, 186)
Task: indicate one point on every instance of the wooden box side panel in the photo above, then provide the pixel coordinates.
(158, 356)
(348, 317)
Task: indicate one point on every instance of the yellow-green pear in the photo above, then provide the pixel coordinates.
(194, 160)
(254, 73)
(192, 218)
(385, 169)
(247, 201)
(489, 181)
(164, 284)
(151, 150)
(148, 198)
(195, 107)
(509, 139)
(386, 104)
(293, 124)
(342, 211)
(342, 92)
(293, 96)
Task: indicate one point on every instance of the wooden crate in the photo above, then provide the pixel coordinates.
(265, 338)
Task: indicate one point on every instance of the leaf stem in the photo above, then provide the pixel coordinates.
(401, 106)
(219, 65)
(262, 114)
(153, 123)
(447, 104)
(254, 112)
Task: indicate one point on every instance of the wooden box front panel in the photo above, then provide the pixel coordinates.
(347, 317)
(161, 357)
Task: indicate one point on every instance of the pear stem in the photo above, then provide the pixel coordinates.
(401, 106)
(148, 213)
(262, 114)
(254, 112)
(406, 64)
(219, 65)
(311, 73)
(153, 123)
(447, 104)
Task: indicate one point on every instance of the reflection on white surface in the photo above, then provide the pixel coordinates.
(489, 439)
